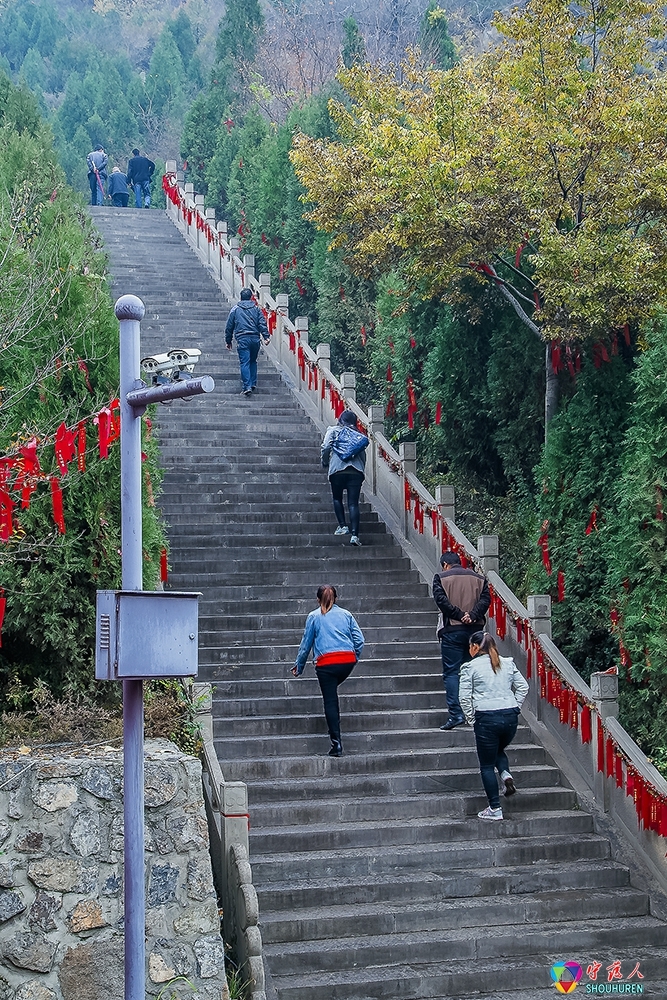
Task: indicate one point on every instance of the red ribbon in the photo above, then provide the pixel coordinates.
(592, 521)
(6, 515)
(586, 734)
(438, 412)
(163, 566)
(64, 447)
(57, 503)
(560, 581)
(407, 495)
(600, 741)
(543, 542)
(81, 447)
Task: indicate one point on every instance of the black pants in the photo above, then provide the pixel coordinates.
(350, 480)
(493, 732)
(330, 677)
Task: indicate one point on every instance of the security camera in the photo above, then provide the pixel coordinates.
(158, 364)
(185, 358)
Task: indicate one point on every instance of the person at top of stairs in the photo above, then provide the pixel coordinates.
(463, 598)
(492, 691)
(246, 322)
(344, 474)
(337, 642)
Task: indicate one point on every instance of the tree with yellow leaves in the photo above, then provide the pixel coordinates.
(541, 164)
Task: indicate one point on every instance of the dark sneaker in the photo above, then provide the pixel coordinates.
(452, 724)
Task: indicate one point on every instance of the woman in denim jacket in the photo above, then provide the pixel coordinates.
(491, 692)
(336, 640)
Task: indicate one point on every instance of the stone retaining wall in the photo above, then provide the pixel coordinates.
(61, 877)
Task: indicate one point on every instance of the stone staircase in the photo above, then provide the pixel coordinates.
(375, 877)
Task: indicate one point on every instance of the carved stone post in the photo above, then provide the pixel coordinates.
(249, 267)
(210, 218)
(488, 551)
(539, 613)
(348, 381)
(445, 497)
(282, 309)
(605, 693)
(264, 288)
(199, 208)
(323, 352)
(375, 426)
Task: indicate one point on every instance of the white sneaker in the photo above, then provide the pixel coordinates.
(342, 529)
(490, 813)
(508, 781)
(355, 540)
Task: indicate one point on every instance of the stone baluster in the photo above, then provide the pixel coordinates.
(199, 207)
(249, 267)
(375, 426)
(189, 202)
(323, 352)
(348, 382)
(222, 264)
(210, 249)
(539, 614)
(407, 451)
(282, 310)
(445, 497)
(264, 288)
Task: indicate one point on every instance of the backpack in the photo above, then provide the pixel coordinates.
(348, 443)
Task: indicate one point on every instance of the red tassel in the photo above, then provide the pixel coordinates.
(585, 725)
(412, 410)
(543, 542)
(574, 710)
(391, 407)
(163, 566)
(363, 336)
(560, 578)
(407, 494)
(413, 343)
(662, 828)
(434, 523)
(64, 447)
(103, 421)
(57, 503)
(600, 733)
(6, 515)
(609, 747)
(592, 521)
(630, 782)
(519, 631)
(438, 413)
(81, 448)
(302, 290)
(390, 374)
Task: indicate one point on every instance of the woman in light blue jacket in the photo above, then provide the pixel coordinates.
(344, 474)
(491, 692)
(336, 640)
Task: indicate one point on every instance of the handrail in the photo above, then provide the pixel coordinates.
(564, 700)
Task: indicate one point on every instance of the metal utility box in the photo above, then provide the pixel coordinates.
(146, 634)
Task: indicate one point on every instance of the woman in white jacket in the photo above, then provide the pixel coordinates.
(491, 693)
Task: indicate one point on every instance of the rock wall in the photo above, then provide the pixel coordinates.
(61, 877)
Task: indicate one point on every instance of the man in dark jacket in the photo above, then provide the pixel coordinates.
(463, 599)
(139, 172)
(246, 322)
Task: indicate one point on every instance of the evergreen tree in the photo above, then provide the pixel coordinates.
(434, 39)
(165, 78)
(181, 31)
(354, 47)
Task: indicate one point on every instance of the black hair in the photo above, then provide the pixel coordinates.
(135, 152)
(450, 558)
(246, 293)
(348, 418)
(487, 644)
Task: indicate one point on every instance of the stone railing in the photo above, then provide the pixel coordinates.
(581, 718)
(227, 813)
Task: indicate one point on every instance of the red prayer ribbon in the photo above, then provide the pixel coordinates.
(57, 503)
(163, 566)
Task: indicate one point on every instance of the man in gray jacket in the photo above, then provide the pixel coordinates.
(247, 324)
(97, 174)
(463, 598)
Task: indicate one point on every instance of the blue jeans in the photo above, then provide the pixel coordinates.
(330, 677)
(493, 732)
(350, 480)
(454, 647)
(247, 344)
(142, 189)
(96, 193)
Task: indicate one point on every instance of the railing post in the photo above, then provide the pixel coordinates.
(210, 218)
(222, 235)
(282, 311)
(539, 615)
(234, 246)
(249, 267)
(407, 451)
(445, 497)
(348, 381)
(605, 694)
(489, 554)
(190, 202)
(375, 426)
(323, 352)
(264, 288)
(199, 209)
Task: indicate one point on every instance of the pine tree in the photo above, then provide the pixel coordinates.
(354, 47)
(434, 39)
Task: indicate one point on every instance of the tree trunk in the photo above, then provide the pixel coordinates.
(551, 393)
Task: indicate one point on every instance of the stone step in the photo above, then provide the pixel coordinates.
(213, 669)
(437, 913)
(456, 886)
(238, 707)
(409, 808)
(345, 959)
(253, 689)
(295, 758)
(469, 855)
